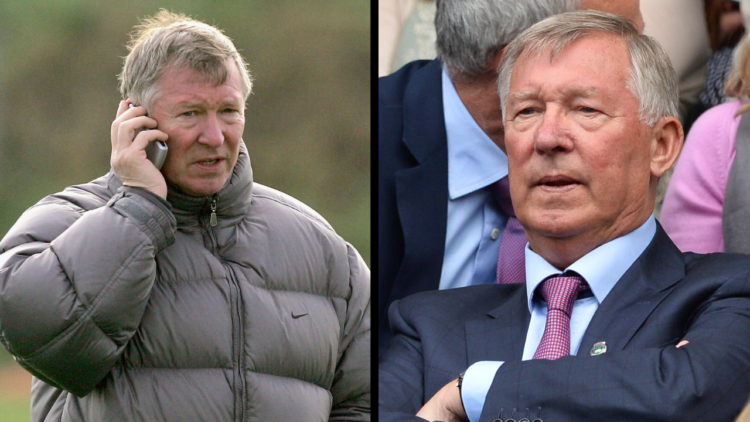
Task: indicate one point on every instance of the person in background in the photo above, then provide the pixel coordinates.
(680, 28)
(705, 207)
(613, 323)
(725, 30)
(187, 292)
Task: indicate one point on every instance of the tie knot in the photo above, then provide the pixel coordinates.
(501, 193)
(560, 292)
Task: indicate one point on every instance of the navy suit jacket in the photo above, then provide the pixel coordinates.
(412, 185)
(664, 297)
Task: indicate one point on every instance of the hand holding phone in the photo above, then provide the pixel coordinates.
(128, 147)
(156, 151)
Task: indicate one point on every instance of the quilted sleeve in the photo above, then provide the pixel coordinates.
(74, 284)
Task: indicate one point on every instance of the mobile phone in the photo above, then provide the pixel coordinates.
(156, 151)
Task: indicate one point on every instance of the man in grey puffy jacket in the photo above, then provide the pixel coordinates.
(188, 293)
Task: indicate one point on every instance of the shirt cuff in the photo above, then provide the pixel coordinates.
(475, 386)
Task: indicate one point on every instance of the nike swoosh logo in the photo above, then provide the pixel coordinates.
(297, 316)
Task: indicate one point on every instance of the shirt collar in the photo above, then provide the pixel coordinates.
(474, 161)
(601, 268)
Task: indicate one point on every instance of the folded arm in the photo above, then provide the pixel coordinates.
(649, 379)
(409, 376)
(707, 377)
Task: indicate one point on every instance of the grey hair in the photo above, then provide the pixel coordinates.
(170, 39)
(652, 80)
(471, 32)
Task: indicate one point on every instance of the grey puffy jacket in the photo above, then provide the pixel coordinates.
(125, 310)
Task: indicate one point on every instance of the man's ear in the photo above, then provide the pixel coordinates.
(666, 145)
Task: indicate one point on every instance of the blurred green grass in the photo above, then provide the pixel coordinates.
(14, 407)
(5, 358)
(15, 410)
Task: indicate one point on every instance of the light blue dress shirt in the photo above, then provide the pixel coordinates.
(601, 268)
(475, 222)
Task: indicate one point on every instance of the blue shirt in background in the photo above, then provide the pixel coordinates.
(475, 222)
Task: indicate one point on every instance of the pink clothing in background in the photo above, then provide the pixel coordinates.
(693, 204)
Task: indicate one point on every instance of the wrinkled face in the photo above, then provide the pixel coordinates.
(204, 123)
(578, 156)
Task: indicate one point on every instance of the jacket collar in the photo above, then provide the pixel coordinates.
(636, 295)
(651, 278)
(422, 190)
(424, 120)
(501, 335)
(232, 201)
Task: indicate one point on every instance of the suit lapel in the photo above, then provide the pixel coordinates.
(636, 295)
(502, 334)
(422, 191)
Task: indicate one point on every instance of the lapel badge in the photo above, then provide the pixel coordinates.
(599, 348)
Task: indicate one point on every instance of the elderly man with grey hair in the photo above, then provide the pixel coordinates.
(612, 321)
(184, 292)
(441, 154)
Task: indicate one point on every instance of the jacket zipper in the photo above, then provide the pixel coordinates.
(236, 305)
(213, 221)
(239, 372)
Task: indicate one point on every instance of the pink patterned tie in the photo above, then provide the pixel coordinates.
(560, 292)
(510, 259)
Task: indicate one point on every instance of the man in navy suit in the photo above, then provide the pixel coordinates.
(653, 334)
(441, 147)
